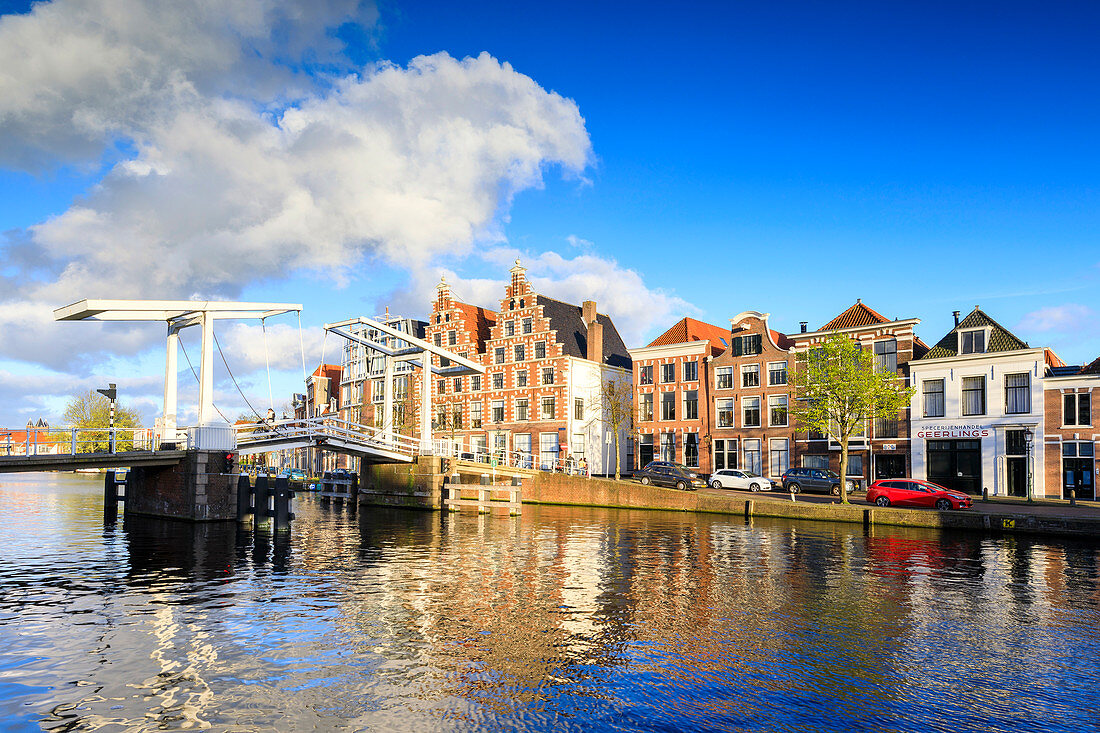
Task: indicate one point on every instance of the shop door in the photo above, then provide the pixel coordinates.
(645, 454)
(889, 466)
(1077, 476)
(1016, 475)
(956, 464)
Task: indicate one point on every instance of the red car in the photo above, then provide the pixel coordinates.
(911, 492)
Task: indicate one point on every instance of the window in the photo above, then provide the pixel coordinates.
(475, 414)
(548, 450)
(519, 352)
(747, 345)
(498, 355)
(1071, 449)
(777, 410)
(377, 387)
(527, 325)
(442, 388)
(548, 375)
(547, 406)
(398, 414)
(777, 373)
(668, 405)
(855, 464)
(691, 450)
(886, 356)
(521, 410)
(440, 419)
(972, 342)
(723, 378)
(645, 375)
(437, 339)
(498, 380)
(498, 410)
(456, 418)
(752, 454)
(750, 375)
(886, 427)
(691, 404)
(1017, 393)
(750, 412)
(691, 371)
(725, 453)
(521, 378)
(509, 328)
(578, 408)
(779, 456)
(475, 383)
(820, 462)
(668, 373)
(458, 384)
(645, 407)
(668, 446)
(724, 408)
(452, 338)
(973, 396)
(933, 398)
(401, 388)
(540, 349)
(1077, 409)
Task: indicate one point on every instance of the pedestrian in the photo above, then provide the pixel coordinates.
(584, 466)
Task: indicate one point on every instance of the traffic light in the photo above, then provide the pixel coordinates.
(229, 462)
(110, 393)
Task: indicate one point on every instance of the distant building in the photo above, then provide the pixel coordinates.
(1070, 435)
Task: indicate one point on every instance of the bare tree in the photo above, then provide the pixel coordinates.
(618, 406)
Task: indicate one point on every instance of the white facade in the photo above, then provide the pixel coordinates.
(998, 427)
(592, 433)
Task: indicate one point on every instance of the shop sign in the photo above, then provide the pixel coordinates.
(889, 446)
(955, 431)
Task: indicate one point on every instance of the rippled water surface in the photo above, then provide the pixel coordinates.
(564, 619)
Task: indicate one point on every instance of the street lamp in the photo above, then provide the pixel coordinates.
(1028, 437)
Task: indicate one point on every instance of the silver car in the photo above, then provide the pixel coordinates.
(733, 478)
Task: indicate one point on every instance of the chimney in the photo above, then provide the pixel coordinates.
(956, 314)
(595, 339)
(588, 312)
(802, 325)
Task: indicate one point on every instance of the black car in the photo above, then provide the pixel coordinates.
(666, 473)
(811, 479)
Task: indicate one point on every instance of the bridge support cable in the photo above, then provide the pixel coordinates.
(302, 348)
(196, 375)
(235, 384)
(267, 363)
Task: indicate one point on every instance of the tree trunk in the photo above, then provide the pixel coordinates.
(844, 470)
(616, 455)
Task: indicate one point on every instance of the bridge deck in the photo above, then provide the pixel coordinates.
(69, 462)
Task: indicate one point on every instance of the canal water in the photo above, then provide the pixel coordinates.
(563, 619)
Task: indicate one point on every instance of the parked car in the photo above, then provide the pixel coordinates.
(916, 493)
(812, 479)
(666, 473)
(733, 478)
(296, 474)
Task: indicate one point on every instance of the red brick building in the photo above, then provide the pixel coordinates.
(672, 394)
(540, 398)
(749, 407)
(1070, 433)
(881, 450)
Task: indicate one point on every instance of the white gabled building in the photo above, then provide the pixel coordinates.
(978, 411)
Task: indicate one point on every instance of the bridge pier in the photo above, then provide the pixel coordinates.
(195, 489)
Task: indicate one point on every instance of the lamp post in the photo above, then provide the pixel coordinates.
(1028, 437)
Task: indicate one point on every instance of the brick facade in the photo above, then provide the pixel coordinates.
(1071, 399)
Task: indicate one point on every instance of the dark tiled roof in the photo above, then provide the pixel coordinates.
(1093, 368)
(689, 329)
(572, 332)
(1066, 371)
(856, 316)
(1000, 338)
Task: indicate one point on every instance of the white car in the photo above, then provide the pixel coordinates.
(732, 478)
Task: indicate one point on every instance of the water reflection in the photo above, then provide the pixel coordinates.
(562, 618)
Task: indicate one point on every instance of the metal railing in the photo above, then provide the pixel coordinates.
(513, 459)
(76, 441)
(314, 428)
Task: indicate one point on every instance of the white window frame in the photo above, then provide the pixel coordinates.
(786, 407)
(986, 331)
(718, 412)
(771, 364)
(759, 416)
(747, 369)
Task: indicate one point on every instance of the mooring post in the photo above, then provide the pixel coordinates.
(244, 496)
(868, 517)
(110, 498)
(1073, 497)
(985, 494)
(262, 508)
(282, 504)
(353, 493)
(748, 509)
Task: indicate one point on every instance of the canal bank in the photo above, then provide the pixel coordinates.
(564, 490)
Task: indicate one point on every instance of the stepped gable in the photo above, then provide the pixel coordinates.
(572, 332)
(857, 315)
(1000, 338)
(482, 319)
(689, 329)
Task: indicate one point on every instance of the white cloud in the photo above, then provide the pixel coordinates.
(579, 243)
(248, 348)
(1060, 319)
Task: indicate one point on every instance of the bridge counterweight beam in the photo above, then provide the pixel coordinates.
(168, 425)
(206, 371)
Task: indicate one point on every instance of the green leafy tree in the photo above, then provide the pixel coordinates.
(90, 413)
(838, 390)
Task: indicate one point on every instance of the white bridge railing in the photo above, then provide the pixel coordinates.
(325, 428)
(75, 441)
(512, 459)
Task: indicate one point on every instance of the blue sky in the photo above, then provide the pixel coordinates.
(787, 158)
